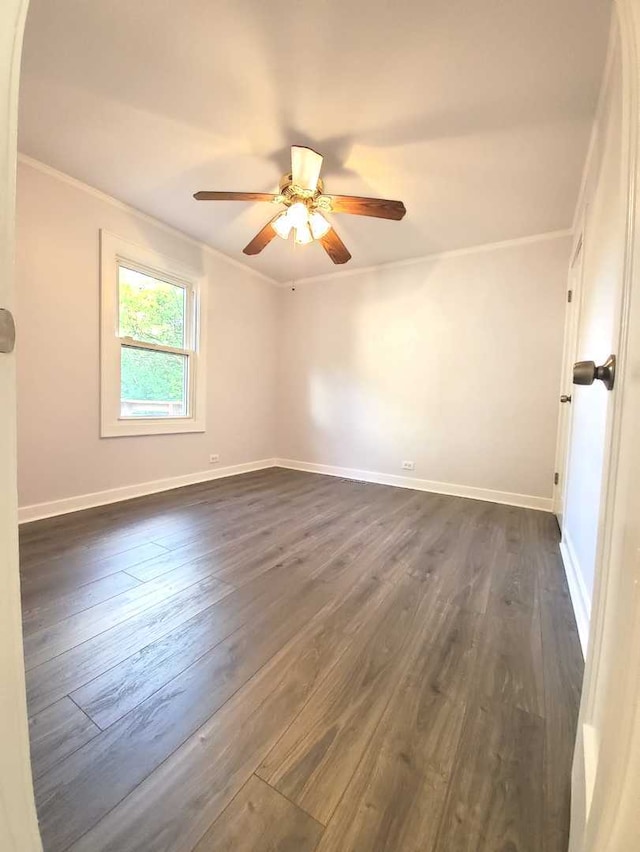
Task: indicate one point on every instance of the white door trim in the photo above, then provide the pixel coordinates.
(606, 771)
(571, 325)
(18, 822)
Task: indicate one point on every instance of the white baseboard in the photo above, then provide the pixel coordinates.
(579, 596)
(523, 500)
(37, 511)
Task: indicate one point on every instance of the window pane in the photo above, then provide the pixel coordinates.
(151, 310)
(152, 384)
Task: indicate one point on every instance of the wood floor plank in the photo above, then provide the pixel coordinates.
(413, 535)
(314, 761)
(75, 571)
(56, 733)
(90, 527)
(206, 547)
(464, 553)
(509, 662)
(51, 641)
(171, 513)
(111, 695)
(52, 680)
(97, 777)
(232, 518)
(563, 669)
(261, 820)
(53, 608)
(396, 797)
(514, 586)
(403, 665)
(494, 800)
(222, 540)
(382, 546)
(438, 531)
(168, 810)
(175, 572)
(35, 556)
(315, 534)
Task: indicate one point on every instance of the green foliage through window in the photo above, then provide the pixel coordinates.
(148, 375)
(151, 311)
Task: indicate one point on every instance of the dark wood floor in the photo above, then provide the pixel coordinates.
(285, 661)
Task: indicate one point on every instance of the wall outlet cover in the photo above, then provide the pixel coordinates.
(214, 458)
(408, 465)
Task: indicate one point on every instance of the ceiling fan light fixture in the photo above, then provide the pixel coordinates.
(303, 235)
(298, 215)
(319, 225)
(302, 194)
(283, 225)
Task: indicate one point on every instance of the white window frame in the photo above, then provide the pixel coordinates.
(115, 252)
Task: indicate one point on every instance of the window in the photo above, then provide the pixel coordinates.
(152, 343)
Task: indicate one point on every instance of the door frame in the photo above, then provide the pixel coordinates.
(18, 822)
(606, 767)
(569, 348)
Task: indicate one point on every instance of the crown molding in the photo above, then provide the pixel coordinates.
(442, 255)
(39, 166)
(26, 160)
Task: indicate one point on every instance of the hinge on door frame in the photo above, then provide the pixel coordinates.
(569, 295)
(556, 478)
(7, 331)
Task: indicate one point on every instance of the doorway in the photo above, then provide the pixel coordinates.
(592, 334)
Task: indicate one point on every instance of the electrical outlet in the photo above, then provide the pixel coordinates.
(214, 458)
(408, 465)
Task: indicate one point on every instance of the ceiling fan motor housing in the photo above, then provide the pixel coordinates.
(290, 193)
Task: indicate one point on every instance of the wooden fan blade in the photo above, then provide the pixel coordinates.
(334, 247)
(234, 196)
(305, 167)
(381, 208)
(261, 239)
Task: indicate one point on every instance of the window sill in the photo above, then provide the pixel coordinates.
(166, 426)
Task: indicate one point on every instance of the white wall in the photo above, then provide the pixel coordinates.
(598, 332)
(452, 362)
(59, 449)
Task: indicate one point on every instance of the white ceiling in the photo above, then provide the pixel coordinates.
(475, 113)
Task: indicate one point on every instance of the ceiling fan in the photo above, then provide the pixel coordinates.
(302, 194)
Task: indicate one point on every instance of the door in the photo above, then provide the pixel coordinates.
(18, 824)
(566, 385)
(597, 275)
(601, 520)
